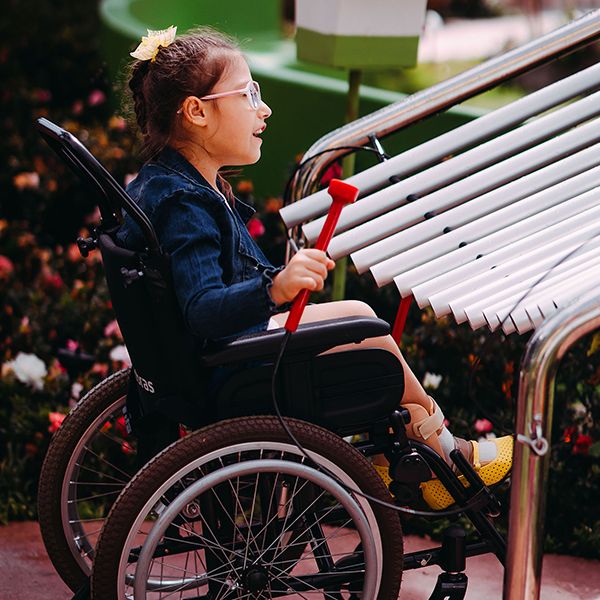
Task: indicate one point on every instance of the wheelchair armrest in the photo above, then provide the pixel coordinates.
(312, 338)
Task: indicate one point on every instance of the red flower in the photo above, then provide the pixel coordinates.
(31, 449)
(56, 420)
(483, 426)
(255, 227)
(569, 433)
(126, 448)
(245, 187)
(334, 171)
(273, 205)
(582, 444)
(121, 427)
(6, 267)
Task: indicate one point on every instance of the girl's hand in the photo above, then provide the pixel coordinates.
(306, 270)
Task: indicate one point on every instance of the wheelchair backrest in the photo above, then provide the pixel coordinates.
(167, 373)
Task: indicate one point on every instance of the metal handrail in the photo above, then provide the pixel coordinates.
(439, 97)
(522, 579)
(531, 459)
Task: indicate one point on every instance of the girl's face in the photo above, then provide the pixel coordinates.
(231, 137)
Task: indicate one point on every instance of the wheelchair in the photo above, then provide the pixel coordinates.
(154, 487)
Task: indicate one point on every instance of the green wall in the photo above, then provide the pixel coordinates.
(307, 101)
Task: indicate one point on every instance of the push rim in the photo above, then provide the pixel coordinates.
(78, 497)
(158, 501)
(251, 565)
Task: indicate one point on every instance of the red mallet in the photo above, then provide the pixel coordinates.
(342, 193)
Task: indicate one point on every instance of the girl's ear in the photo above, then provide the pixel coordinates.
(193, 111)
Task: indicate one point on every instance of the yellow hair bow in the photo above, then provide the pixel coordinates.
(151, 44)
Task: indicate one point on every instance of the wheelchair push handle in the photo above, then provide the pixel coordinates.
(342, 193)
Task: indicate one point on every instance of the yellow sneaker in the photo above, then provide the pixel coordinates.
(438, 497)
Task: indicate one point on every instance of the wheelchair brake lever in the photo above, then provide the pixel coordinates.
(342, 193)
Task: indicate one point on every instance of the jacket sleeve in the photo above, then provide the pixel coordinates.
(212, 310)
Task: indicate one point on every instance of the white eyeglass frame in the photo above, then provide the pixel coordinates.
(251, 91)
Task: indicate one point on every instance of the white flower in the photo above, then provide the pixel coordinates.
(153, 41)
(76, 390)
(28, 369)
(120, 354)
(432, 381)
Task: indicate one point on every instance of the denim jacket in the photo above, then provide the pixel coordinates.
(222, 279)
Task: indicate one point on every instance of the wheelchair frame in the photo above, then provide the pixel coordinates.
(315, 388)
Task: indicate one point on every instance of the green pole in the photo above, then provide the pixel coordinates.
(352, 102)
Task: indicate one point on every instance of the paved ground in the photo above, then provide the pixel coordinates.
(26, 573)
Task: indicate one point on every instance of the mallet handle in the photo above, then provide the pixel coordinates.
(342, 193)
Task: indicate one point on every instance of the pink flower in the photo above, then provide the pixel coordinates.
(255, 227)
(77, 107)
(120, 355)
(43, 95)
(72, 345)
(113, 329)
(56, 420)
(6, 267)
(96, 98)
(483, 426)
(52, 280)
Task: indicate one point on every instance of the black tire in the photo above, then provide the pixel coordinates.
(169, 470)
(104, 403)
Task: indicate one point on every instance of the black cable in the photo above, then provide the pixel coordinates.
(470, 387)
(471, 503)
(300, 165)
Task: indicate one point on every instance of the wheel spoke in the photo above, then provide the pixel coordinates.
(113, 466)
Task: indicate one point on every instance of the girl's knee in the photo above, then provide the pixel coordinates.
(355, 308)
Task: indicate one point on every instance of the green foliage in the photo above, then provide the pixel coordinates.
(52, 299)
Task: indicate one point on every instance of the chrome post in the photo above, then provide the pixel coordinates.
(439, 97)
(545, 349)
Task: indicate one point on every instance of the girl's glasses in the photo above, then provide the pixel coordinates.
(251, 91)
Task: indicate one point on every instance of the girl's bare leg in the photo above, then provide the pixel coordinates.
(426, 417)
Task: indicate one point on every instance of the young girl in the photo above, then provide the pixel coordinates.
(199, 110)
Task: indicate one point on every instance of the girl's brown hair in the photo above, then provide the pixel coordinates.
(190, 66)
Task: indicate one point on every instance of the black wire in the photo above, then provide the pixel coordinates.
(299, 166)
(409, 511)
(470, 387)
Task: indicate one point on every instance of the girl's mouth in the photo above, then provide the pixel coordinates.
(259, 132)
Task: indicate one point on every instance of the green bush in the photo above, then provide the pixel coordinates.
(53, 300)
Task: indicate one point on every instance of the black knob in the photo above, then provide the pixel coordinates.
(453, 557)
(86, 245)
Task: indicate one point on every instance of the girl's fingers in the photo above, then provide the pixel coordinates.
(309, 283)
(318, 268)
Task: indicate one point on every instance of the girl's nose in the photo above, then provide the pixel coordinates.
(264, 110)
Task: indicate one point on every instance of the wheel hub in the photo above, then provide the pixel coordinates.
(256, 579)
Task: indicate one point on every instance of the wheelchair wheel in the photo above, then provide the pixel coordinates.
(236, 511)
(89, 461)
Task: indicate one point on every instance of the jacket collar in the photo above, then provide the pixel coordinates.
(170, 158)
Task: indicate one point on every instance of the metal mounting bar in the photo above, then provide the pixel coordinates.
(533, 426)
(439, 97)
